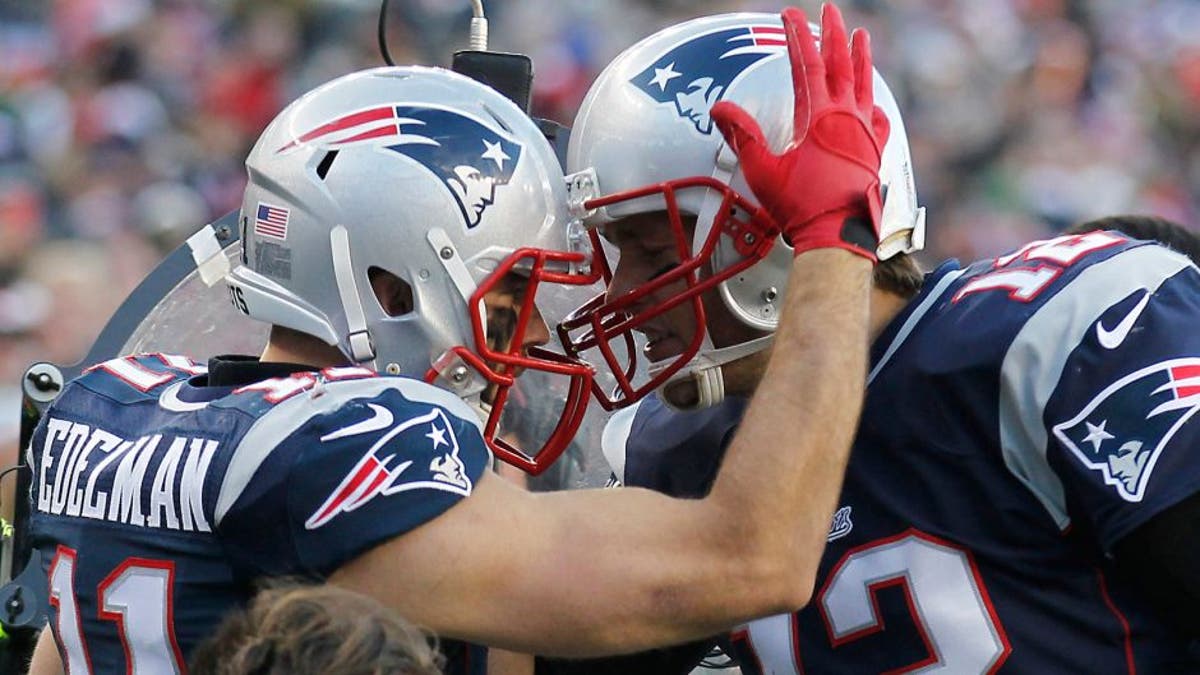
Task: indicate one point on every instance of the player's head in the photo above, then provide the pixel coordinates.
(408, 216)
(648, 167)
(297, 630)
(1148, 227)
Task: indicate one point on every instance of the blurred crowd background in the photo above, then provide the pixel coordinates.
(124, 123)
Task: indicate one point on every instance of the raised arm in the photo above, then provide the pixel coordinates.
(608, 571)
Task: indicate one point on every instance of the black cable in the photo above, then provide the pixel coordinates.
(15, 467)
(383, 48)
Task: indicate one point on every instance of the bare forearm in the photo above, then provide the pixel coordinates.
(597, 572)
(693, 568)
(574, 573)
(682, 569)
(784, 468)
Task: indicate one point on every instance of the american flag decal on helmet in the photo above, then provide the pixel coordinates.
(271, 221)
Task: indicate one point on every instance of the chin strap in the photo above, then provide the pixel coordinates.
(704, 372)
(483, 410)
(362, 348)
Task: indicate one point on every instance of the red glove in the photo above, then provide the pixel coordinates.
(823, 190)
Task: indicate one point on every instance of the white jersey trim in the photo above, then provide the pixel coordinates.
(288, 416)
(169, 400)
(615, 438)
(1034, 362)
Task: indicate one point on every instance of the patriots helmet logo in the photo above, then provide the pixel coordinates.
(383, 472)
(694, 75)
(471, 158)
(1123, 430)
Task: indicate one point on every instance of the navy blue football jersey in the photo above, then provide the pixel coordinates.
(157, 502)
(1022, 416)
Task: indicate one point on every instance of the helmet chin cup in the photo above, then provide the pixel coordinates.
(694, 388)
(706, 374)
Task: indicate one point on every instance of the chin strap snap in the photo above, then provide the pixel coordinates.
(703, 374)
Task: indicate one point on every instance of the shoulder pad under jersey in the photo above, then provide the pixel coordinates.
(345, 465)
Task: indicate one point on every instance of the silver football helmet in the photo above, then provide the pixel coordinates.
(433, 178)
(643, 141)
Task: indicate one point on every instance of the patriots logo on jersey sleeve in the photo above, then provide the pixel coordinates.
(1123, 430)
(695, 75)
(471, 158)
(384, 470)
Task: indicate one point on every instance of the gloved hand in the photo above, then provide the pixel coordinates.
(823, 189)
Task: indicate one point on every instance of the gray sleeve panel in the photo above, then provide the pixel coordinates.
(290, 415)
(1034, 362)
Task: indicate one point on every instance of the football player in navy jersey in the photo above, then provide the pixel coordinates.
(1025, 481)
(403, 221)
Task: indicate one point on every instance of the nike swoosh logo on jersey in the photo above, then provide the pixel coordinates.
(1111, 339)
(381, 419)
(169, 400)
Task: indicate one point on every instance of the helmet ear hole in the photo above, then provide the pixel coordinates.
(394, 295)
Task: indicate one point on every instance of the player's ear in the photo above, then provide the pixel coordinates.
(393, 293)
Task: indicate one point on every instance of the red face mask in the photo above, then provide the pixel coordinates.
(500, 364)
(605, 321)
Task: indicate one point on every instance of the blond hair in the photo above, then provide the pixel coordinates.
(305, 629)
(900, 275)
